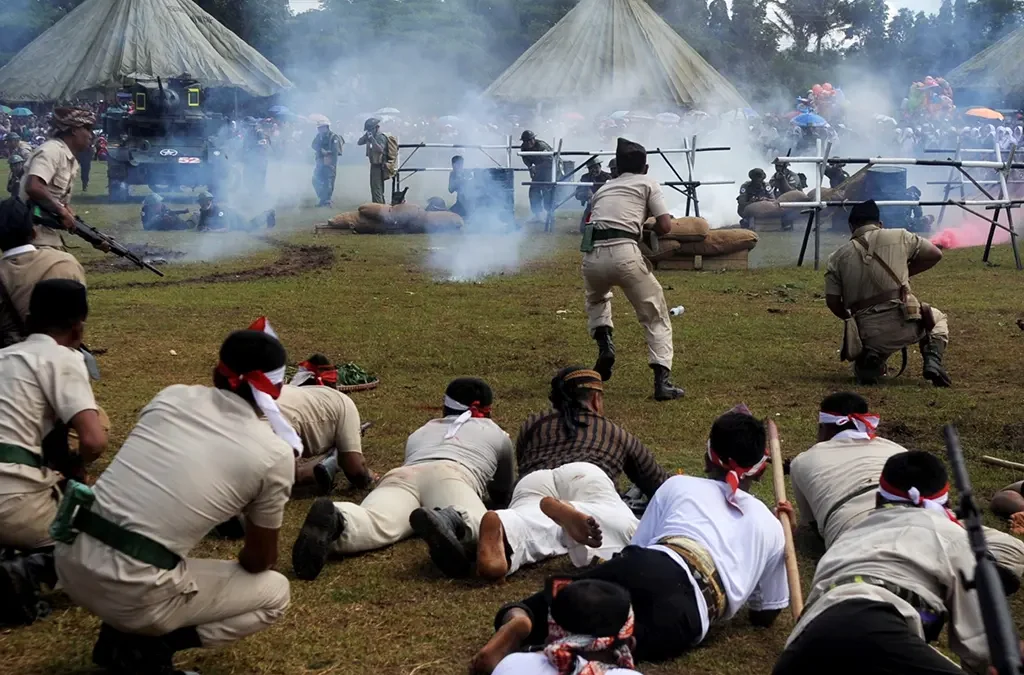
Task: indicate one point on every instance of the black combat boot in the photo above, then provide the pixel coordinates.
(664, 390)
(934, 372)
(448, 539)
(869, 367)
(325, 471)
(605, 352)
(22, 578)
(323, 526)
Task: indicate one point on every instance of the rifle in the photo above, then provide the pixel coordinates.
(98, 239)
(1003, 645)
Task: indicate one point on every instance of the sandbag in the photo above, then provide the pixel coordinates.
(367, 226)
(721, 242)
(442, 221)
(688, 229)
(667, 248)
(344, 221)
(762, 210)
(402, 216)
(376, 212)
(794, 196)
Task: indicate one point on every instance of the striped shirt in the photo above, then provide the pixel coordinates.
(545, 443)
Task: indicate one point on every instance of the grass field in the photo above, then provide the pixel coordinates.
(763, 337)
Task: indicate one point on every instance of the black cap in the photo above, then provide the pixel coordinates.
(625, 146)
(246, 350)
(57, 305)
(527, 136)
(865, 212)
(915, 469)
(630, 157)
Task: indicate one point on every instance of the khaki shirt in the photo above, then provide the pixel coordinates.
(20, 272)
(54, 163)
(321, 416)
(41, 383)
(624, 203)
(919, 550)
(828, 472)
(852, 274)
(480, 445)
(376, 149)
(197, 457)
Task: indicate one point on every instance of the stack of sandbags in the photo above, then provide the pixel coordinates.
(343, 221)
(720, 249)
(400, 219)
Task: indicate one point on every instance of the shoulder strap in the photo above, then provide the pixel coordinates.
(885, 266)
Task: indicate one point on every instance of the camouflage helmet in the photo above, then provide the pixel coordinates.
(153, 199)
(15, 159)
(370, 124)
(756, 174)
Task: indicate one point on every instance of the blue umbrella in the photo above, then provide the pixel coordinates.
(278, 110)
(5, 110)
(750, 112)
(22, 112)
(809, 120)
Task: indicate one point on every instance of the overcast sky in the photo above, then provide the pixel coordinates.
(928, 6)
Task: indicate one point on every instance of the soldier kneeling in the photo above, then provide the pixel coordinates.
(214, 217)
(867, 285)
(156, 216)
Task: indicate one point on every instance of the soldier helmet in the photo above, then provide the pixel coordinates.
(153, 200)
(592, 162)
(756, 174)
(779, 161)
(204, 196)
(16, 159)
(528, 136)
(371, 124)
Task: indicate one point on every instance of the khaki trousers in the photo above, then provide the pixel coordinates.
(377, 173)
(533, 536)
(621, 264)
(25, 519)
(227, 604)
(383, 517)
(887, 331)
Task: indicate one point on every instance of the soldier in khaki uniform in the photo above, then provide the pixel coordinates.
(197, 456)
(887, 586)
(612, 258)
(867, 285)
(43, 385)
(51, 169)
(327, 147)
(22, 266)
(376, 151)
(328, 423)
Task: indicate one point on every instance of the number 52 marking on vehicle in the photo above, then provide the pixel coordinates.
(189, 160)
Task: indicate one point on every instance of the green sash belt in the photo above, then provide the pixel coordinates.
(132, 544)
(15, 454)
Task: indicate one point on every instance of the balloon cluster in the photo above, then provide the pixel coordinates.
(823, 99)
(930, 98)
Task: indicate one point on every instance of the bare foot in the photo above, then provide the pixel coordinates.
(508, 639)
(1017, 523)
(578, 525)
(491, 563)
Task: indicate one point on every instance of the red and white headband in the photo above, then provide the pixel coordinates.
(736, 473)
(933, 502)
(266, 387)
(866, 423)
(468, 411)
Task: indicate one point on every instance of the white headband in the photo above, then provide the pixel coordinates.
(466, 415)
(938, 504)
(277, 421)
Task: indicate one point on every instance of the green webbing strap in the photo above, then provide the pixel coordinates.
(611, 233)
(15, 454)
(132, 544)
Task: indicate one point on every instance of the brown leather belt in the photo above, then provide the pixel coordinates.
(704, 573)
(868, 303)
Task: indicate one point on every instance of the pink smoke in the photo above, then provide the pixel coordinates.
(971, 232)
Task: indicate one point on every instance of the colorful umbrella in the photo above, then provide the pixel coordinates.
(983, 113)
(319, 119)
(5, 110)
(809, 120)
(25, 112)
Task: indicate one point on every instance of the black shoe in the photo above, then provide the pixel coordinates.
(605, 352)
(870, 367)
(21, 580)
(446, 535)
(322, 528)
(664, 390)
(324, 473)
(934, 371)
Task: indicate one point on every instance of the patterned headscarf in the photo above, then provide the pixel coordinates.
(66, 119)
(564, 648)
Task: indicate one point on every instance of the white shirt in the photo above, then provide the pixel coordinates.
(535, 663)
(748, 546)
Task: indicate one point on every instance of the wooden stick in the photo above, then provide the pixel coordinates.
(995, 461)
(796, 595)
